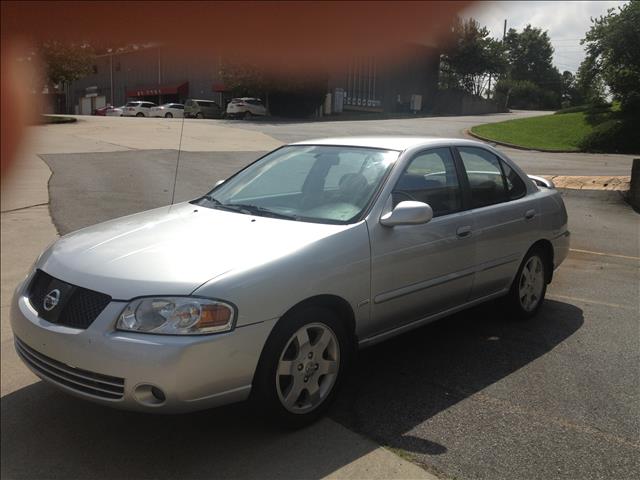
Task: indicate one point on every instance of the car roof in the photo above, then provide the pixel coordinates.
(390, 142)
(201, 100)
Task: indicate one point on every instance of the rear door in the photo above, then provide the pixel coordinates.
(420, 270)
(504, 218)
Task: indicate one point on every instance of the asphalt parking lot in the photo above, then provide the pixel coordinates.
(471, 396)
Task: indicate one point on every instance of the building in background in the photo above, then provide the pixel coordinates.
(409, 83)
(160, 74)
(154, 73)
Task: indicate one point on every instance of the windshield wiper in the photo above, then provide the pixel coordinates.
(256, 210)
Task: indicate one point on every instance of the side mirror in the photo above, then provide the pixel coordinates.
(408, 213)
(219, 182)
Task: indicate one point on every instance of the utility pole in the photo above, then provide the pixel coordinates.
(111, 78)
(159, 76)
(504, 30)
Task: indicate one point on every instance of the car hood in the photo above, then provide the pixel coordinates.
(173, 250)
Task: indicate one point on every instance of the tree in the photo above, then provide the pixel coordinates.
(65, 63)
(570, 91)
(589, 83)
(530, 59)
(472, 59)
(613, 53)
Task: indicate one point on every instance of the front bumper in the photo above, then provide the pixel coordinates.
(192, 372)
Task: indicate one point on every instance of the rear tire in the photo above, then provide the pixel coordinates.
(247, 115)
(529, 287)
(200, 115)
(139, 114)
(302, 366)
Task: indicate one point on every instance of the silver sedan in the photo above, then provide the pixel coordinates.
(268, 284)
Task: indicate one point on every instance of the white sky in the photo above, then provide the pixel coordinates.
(565, 21)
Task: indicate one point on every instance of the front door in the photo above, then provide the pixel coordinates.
(420, 270)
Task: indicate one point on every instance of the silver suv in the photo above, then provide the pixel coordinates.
(138, 108)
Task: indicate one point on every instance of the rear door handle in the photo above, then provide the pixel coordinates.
(464, 231)
(529, 214)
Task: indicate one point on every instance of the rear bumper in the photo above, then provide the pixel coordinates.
(561, 245)
(192, 372)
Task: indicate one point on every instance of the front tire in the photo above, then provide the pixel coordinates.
(139, 114)
(169, 115)
(302, 366)
(247, 115)
(528, 290)
(200, 115)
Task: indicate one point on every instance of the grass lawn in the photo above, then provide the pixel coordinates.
(548, 132)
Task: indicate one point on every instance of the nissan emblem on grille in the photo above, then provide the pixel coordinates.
(51, 300)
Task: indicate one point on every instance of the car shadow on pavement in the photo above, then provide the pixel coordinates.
(400, 384)
(395, 387)
(48, 434)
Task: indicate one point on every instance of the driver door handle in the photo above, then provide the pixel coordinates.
(529, 214)
(464, 231)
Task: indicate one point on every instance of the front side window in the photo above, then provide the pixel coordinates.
(316, 183)
(431, 178)
(485, 176)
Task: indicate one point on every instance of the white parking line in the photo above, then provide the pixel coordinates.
(595, 302)
(589, 252)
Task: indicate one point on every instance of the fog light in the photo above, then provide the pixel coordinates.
(158, 394)
(149, 395)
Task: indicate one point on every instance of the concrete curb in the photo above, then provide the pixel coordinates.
(517, 147)
(599, 182)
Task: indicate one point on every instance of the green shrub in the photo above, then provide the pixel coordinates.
(525, 94)
(576, 109)
(615, 136)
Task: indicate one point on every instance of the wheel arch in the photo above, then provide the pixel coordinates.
(547, 247)
(337, 304)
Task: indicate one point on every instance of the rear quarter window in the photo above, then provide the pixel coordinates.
(484, 173)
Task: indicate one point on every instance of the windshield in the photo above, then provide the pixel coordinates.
(309, 183)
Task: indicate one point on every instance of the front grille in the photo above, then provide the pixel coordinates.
(79, 310)
(83, 381)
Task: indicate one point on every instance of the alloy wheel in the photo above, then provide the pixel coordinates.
(531, 284)
(308, 368)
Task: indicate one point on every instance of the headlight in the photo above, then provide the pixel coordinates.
(177, 316)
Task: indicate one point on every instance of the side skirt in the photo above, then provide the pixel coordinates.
(380, 337)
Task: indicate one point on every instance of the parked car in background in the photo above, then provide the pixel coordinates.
(138, 108)
(115, 111)
(102, 111)
(176, 309)
(168, 110)
(246, 107)
(202, 109)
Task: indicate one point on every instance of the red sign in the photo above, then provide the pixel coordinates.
(160, 90)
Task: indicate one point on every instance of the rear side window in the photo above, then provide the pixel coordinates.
(431, 178)
(132, 104)
(515, 185)
(485, 176)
